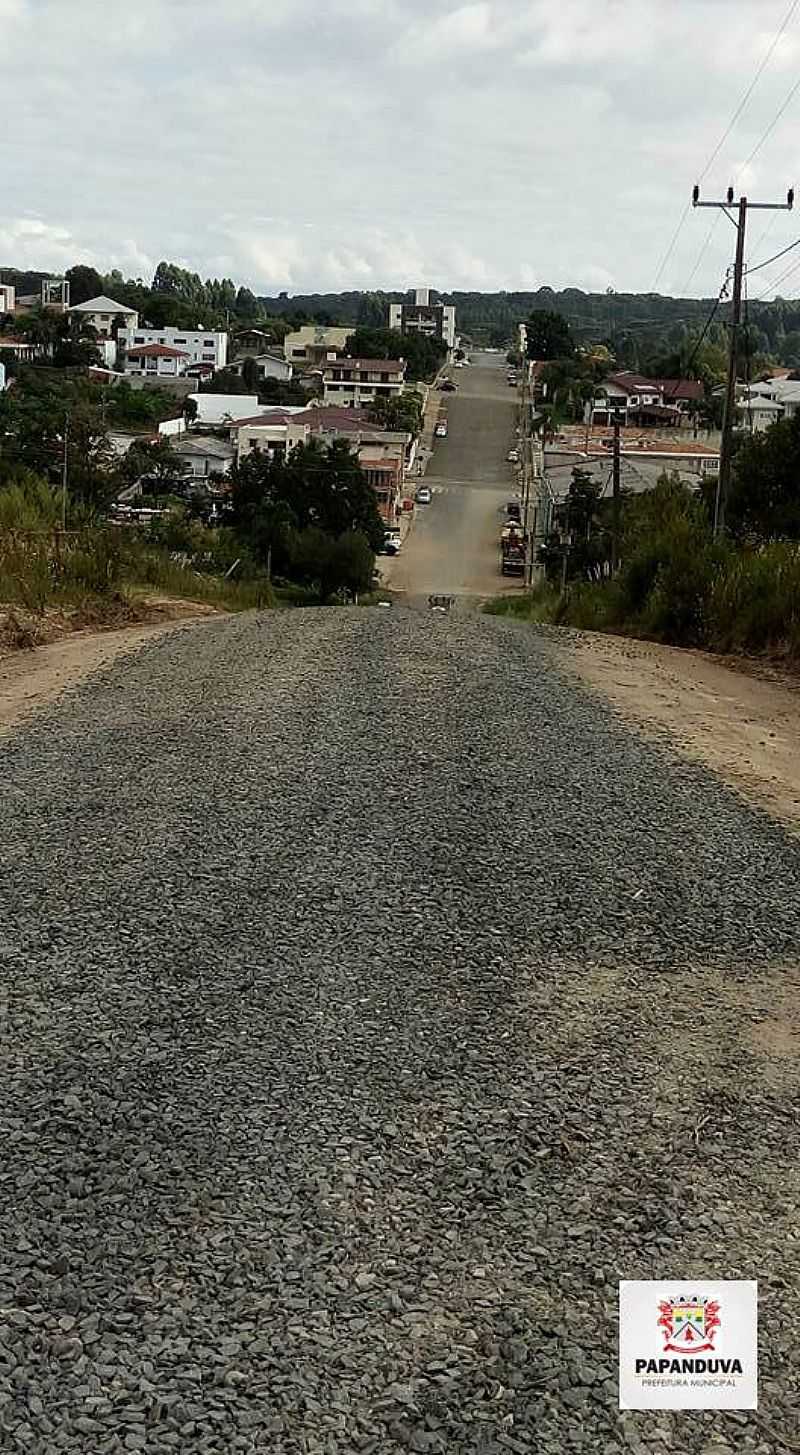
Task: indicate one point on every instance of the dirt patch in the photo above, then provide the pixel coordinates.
(31, 678)
(740, 720)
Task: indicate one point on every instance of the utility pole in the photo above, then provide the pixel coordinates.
(615, 502)
(64, 474)
(728, 418)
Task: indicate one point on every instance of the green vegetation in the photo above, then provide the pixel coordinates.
(676, 583)
(423, 356)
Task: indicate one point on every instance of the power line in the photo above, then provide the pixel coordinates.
(720, 144)
(758, 266)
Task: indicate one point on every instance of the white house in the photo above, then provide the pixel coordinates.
(204, 456)
(104, 314)
(267, 366)
(764, 404)
(7, 298)
(198, 345)
(353, 382)
(158, 360)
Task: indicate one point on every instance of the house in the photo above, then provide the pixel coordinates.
(198, 345)
(352, 382)
(253, 341)
(761, 405)
(432, 320)
(156, 359)
(312, 345)
(104, 315)
(7, 298)
(267, 366)
(382, 454)
(634, 399)
(204, 456)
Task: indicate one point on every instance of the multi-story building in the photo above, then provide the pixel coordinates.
(432, 320)
(7, 297)
(104, 315)
(311, 346)
(354, 382)
(158, 360)
(632, 398)
(198, 345)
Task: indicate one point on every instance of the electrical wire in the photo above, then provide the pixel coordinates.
(718, 148)
(758, 266)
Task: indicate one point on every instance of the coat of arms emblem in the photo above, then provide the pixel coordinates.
(688, 1324)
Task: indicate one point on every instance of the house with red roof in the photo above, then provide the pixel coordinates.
(635, 399)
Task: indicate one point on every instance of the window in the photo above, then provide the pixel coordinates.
(139, 338)
(298, 353)
(384, 378)
(104, 317)
(208, 343)
(208, 358)
(179, 340)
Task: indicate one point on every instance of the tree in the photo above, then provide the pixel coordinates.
(401, 412)
(155, 461)
(764, 501)
(549, 336)
(423, 355)
(84, 283)
(34, 417)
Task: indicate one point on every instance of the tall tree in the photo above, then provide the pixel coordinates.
(549, 336)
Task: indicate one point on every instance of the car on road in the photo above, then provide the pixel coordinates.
(423, 496)
(448, 386)
(441, 431)
(513, 457)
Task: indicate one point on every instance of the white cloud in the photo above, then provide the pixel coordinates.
(376, 143)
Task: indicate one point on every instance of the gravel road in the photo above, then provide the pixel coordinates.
(373, 1000)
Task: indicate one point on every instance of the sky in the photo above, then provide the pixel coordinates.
(319, 145)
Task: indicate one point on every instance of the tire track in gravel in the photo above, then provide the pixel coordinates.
(345, 1073)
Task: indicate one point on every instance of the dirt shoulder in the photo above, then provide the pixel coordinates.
(741, 720)
(32, 679)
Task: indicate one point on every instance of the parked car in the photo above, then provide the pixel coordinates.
(441, 431)
(423, 496)
(513, 457)
(448, 386)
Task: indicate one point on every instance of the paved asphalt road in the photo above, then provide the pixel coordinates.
(453, 547)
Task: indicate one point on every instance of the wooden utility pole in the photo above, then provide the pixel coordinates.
(615, 501)
(729, 416)
(65, 474)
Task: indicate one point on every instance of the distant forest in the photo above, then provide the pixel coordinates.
(635, 326)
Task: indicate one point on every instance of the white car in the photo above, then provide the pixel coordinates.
(513, 457)
(441, 431)
(423, 496)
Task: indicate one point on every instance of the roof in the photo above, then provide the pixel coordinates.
(156, 351)
(386, 366)
(639, 384)
(681, 388)
(273, 417)
(101, 305)
(14, 343)
(205, 445)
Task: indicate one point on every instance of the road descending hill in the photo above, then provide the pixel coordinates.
(373, 1000)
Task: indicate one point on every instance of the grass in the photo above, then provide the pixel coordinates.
(687, 591)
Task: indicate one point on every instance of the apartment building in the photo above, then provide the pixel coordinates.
(198, 346)
(355, 382)
(432, 320)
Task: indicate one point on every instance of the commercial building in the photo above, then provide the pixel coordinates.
(354, 382)
(432, 320)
